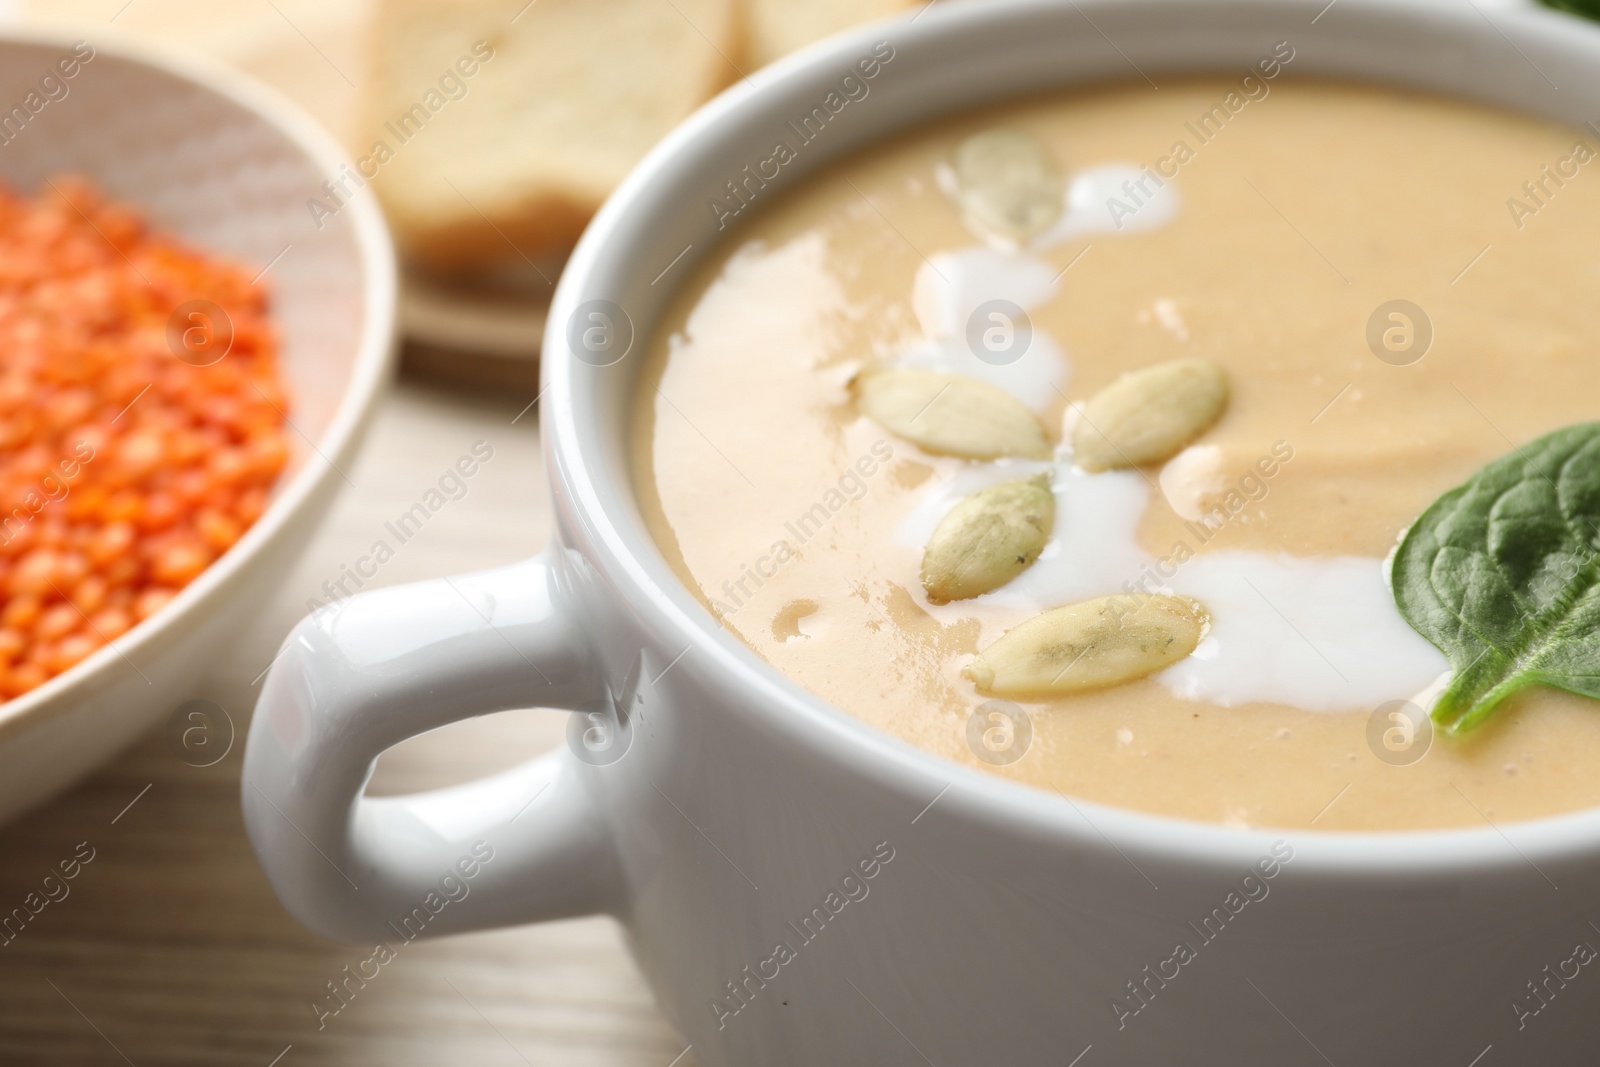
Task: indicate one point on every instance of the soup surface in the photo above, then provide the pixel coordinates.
(1285, 224)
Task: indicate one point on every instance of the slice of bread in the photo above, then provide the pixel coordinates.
(778, 27)
(495, 128)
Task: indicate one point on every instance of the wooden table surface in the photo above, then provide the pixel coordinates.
(171, 949)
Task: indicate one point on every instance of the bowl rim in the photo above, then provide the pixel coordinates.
(369, 369)
(601, 520)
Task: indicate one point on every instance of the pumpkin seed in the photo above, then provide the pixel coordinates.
(951, 415)
(1007, 184)
(1091, 645)
(1149, 415)
(988, 539)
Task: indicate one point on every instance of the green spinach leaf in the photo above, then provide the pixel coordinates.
(1587, 8)
(1502, 573)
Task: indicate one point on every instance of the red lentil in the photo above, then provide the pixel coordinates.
(124, 470)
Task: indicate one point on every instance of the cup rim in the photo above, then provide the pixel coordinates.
(369, 365)
(621, 550)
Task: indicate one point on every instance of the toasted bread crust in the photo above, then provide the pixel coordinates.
(778, 27)
(573, 94)
(515, 158)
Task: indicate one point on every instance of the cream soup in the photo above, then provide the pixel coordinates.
(1274, 244)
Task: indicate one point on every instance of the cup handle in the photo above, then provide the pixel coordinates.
(365, 673)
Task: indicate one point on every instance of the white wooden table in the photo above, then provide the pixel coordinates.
(170, 947)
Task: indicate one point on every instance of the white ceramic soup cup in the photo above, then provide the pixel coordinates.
(800, 889)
